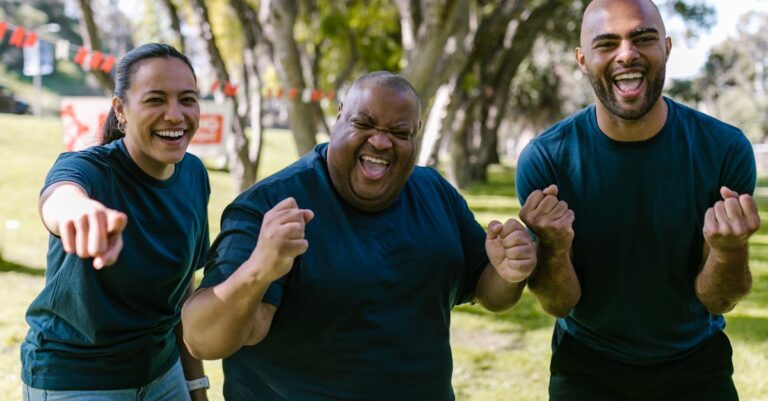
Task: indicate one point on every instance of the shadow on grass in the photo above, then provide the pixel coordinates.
(527, 314)
(7, 266)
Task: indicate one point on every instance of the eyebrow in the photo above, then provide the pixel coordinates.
(633, 34)
(400, 126)
(159, 92)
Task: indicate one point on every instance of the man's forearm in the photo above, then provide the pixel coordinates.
(554, 283)
(724, 279)
(496, 294)
(219, 320)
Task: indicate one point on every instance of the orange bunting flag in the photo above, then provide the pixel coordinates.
(80, 55)
(96, 58)
(31, 39)
(292, 93)
(317, 94)
(3, 28)
(230, 90)
(17, 37)
(215, 86)
(108, 63)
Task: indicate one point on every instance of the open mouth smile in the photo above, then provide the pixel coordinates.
(373, 167)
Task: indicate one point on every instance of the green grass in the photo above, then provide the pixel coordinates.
(496, 356)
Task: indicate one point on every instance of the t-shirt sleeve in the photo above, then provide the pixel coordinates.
(739, 172)
(240, 227)
(204, 242)
(81, 168)
(473, 246)
(532, 173)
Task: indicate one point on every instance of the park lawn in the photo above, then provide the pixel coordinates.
(496, 356)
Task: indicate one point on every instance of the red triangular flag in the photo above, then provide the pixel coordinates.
(96, 59)
(31, 39)
(230, 90)
(108, 63)
(17, 37)
(3, 28)
(80, 55)
(215, 86)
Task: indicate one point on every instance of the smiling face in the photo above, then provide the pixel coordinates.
(373, 145)
(161, 113)
(624, 51)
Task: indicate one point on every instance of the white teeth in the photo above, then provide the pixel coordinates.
(170, 134)
(628, 75)
(375, 160)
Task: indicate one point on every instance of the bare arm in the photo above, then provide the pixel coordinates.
(554, 282)
(221, 319)
(725, 277)
(86, 227)
(193, 368)
(513, 257)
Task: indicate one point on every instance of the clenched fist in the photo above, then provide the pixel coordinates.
(550, 219)
(730, 222)
(511, 250)
(281, 238)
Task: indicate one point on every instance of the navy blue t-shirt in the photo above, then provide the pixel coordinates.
(639, 210)
(365, 312)
(113, 328)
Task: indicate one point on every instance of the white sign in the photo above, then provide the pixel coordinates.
(38, 59)
(82, 120)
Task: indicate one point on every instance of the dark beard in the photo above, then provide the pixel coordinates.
(608, 98)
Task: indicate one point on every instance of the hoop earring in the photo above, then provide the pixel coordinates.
(121, 126)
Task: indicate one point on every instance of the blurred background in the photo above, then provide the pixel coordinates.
(492, 74)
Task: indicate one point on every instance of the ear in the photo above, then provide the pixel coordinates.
(338, 115)
(581, 60)
(117, 105)
(668, 42)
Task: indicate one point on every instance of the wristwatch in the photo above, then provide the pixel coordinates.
(197, 384)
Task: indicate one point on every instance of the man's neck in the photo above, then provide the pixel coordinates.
(623, 130)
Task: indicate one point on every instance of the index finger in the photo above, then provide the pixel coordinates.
(287, 203)
(749, 207)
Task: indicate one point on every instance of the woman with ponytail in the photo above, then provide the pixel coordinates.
(129, 226)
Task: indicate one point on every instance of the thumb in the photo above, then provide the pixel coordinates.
(726, 193)
(494, 228)
(308, 215)
(116, 222)
(550, 190)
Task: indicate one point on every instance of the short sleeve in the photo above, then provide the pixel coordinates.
(240, 227)
(472, 241)
(533, 172)
(739, 171)
(82, 168)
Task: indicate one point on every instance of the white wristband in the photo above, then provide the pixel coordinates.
(197, 384)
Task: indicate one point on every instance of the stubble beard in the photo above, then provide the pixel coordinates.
(607, 97)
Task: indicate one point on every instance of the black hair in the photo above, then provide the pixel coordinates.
(125, 70)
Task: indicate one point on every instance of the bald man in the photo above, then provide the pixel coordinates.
(643, 209)
(334, 278)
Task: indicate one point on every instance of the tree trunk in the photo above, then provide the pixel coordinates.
(175, 22)
(255, 46)
(301, 116)
(240, 166)
(90, 34)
